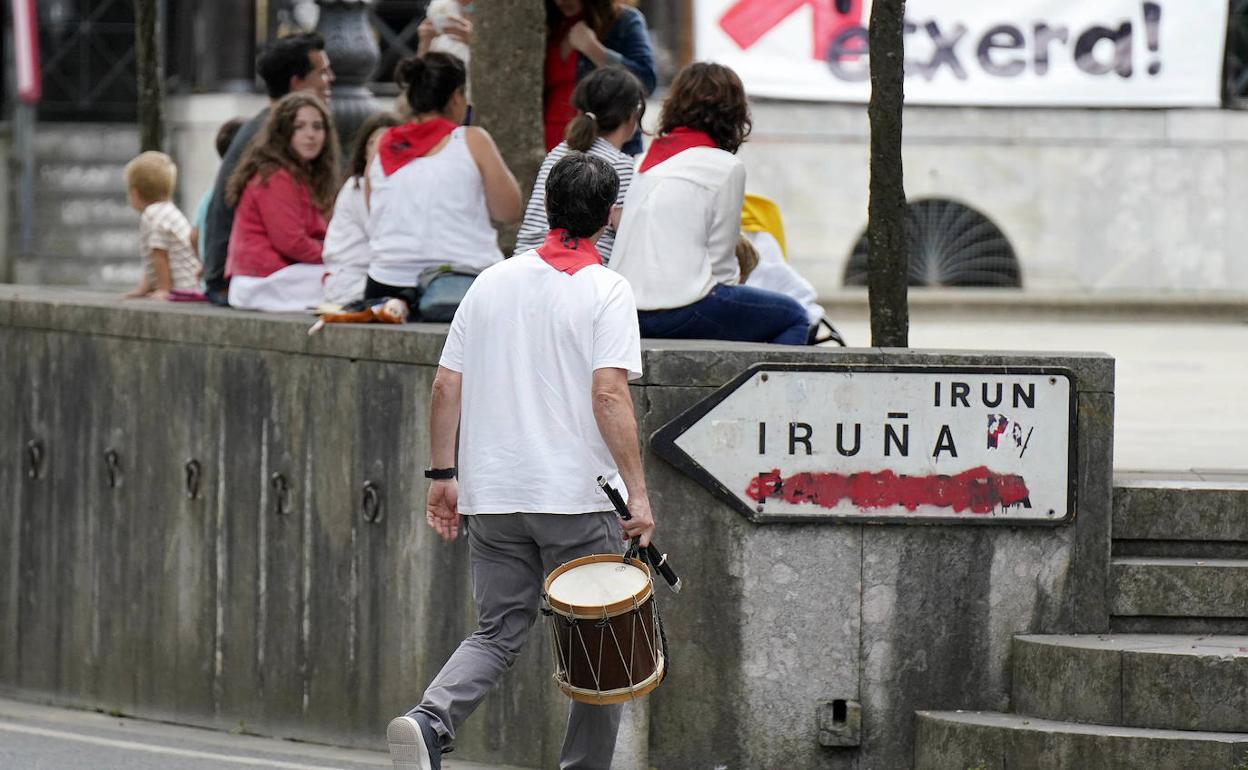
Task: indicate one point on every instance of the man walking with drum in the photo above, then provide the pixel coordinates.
(534, 376)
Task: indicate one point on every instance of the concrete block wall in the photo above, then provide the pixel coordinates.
(308, 621)
(1093, 201)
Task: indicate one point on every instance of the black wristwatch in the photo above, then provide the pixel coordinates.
(440, 474)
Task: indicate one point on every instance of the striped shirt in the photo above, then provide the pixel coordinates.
(535, 226)
(163, 226)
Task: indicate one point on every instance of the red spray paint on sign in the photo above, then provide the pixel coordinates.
(978, 490)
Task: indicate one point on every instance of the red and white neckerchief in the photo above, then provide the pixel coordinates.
(567, 254)
(403, 144)
(679, 140)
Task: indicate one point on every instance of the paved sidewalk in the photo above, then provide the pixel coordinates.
(1182, 386)
(34, 737)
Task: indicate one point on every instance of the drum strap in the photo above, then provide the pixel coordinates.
(634, 552)
(658, 618)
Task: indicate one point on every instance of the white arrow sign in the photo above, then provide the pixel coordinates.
(964, 445)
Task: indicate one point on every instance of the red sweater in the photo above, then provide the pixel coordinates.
(275, 225)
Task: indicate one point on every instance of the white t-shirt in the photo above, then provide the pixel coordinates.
(346, 252)
(430, 212)
(678, 237)
(527, 339)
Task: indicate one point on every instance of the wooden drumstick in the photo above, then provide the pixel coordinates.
(657, 559)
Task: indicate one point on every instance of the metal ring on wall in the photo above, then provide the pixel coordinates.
(281, 493)
(34, 458)
(193, 473)
(112, 467)
(370, 504)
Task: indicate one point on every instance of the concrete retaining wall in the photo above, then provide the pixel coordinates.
(313, 623)
(1091, 200)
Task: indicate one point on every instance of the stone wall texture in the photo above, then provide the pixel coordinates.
(1091, 200)
(275, 606)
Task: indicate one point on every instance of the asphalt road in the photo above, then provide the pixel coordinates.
(36, 737)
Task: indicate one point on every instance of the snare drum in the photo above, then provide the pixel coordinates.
(604, 629)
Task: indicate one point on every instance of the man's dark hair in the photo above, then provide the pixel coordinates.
(286, 58)
(580, 190)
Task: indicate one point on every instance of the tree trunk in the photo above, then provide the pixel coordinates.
(887, 246)
(151, 81)
(508, 54)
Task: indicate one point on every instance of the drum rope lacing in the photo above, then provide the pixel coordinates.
(562, 662)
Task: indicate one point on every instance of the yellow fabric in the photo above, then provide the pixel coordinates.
(762, 215)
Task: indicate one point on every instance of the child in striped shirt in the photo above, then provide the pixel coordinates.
(609, 105)
(169, 259)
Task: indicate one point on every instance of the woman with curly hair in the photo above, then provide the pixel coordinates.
(682, 217)
(283, 191)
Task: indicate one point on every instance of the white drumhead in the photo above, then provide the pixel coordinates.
(598, 584)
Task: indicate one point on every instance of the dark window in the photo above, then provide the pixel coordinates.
(86, 48)
(950, 245)
(395, 22)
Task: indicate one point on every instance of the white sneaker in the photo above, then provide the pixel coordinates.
(410, 740)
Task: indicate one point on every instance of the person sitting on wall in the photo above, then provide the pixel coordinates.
(682, 217)
(283, 190)
(433, 190)
(169, 261)
(346, 253)
(763, 227)
(295, 63)
(225, 135)
(609, 104)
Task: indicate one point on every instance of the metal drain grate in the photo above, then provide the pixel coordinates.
(950, 245)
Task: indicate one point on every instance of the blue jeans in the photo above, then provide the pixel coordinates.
(739, 313)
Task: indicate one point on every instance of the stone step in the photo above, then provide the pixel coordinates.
(1187, 626)
(85, 178)
(1180, 510)
(1189, 549)
(92, 142)
(975, 740)
(1178, 587)
(86, 211)
(98, 273)
(1181, 682)
(105, 244)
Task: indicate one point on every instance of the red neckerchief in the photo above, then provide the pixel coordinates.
(567, 254)
(403, 144)
(679, 140)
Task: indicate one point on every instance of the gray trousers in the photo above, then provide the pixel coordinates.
(511, 554)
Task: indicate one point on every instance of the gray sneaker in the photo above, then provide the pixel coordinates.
(414, 745)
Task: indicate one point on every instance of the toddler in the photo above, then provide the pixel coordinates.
(170, 261)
